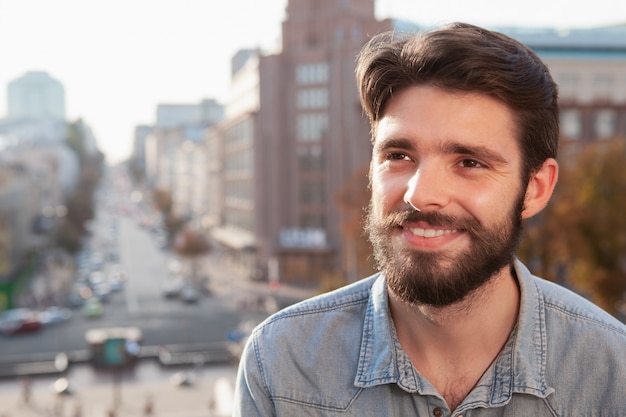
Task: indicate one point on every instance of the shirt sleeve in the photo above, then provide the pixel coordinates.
(252, 398)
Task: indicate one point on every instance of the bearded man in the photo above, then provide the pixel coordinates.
(465, 126)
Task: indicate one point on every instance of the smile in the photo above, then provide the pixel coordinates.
(427, 233)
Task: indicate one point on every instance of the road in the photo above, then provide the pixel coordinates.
(162, 321)
(196, 328)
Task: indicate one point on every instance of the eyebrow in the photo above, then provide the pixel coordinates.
(480, 152)
(448, 147)
(399, 143)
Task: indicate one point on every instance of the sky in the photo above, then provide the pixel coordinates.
(119, 59)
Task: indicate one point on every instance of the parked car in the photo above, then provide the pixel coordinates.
(93, 308)
(54, 315)
(19, 320)
(172, 288)
(189, 294)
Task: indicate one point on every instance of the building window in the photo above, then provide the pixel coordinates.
(569, 84)
(316, 73)
(311, 158)
(303, 238)
(312, 192)
(313, 98)
(571, 124)
(605, 124)
(239, 162)
(603, 85)
(312, 127)
(313, 221)
(240, 134)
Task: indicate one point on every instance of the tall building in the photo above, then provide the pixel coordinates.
(205, 113)
(294, 134)
(294, 137)
(35, 96)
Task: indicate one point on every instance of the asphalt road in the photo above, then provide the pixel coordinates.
(168, 322)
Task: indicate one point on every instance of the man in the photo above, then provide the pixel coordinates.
(465, 135)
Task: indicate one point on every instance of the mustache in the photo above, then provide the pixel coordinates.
(396, 218)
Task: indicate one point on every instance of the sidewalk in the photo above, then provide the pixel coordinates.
(208, 396)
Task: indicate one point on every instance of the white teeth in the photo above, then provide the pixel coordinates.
(431, 232)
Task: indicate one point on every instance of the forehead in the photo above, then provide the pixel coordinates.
(427, 116)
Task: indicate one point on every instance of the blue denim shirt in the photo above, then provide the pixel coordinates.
(338, 355)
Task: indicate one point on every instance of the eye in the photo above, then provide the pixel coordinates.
(471, 163)
(397, 156)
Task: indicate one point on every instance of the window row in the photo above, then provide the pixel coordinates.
(599, 124)
(312, 127)
(240, 218)
(313, 98)
(311, 158)
(240, 190)
(313, 73)
(242, 162)
(240, 134)
(313, 192)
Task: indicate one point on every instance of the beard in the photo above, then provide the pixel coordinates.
(440, 279)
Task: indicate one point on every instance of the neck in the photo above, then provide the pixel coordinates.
(458, 342)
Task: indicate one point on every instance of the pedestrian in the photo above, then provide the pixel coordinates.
(27, 386)
(148, 406)
(78, 410)
(465, 128)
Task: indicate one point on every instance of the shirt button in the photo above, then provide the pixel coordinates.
(437, 412)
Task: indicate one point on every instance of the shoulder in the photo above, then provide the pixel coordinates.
(567, 306)
(347, 300)
(324, 325)
(316, 336)
(547, 301)
(585, 350)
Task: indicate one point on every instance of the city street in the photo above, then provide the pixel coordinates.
(140, 304)
(199, 384)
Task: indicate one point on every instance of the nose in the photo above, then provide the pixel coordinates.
(427, 189)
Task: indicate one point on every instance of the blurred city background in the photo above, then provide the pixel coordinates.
(133, 264)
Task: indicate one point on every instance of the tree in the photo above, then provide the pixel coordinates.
(580, 238)
(164, 204)
(191, 244)
(353, 198)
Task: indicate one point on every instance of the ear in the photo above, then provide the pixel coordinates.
(540, 188)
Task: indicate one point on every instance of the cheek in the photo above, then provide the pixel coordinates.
(385, 195)
(490, 206)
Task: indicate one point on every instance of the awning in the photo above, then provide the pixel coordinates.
(234, 237)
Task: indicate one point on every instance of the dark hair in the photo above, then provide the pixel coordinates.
(463, 58)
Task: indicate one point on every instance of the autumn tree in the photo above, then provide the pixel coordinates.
(192, 245)
(580, 238)
(352, 199)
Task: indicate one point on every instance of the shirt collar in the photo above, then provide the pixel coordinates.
(518, 369)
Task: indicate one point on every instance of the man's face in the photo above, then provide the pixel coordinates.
(446, 206)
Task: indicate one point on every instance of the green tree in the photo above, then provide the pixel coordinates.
(80, 204)
(580, 238)
(75, 140)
